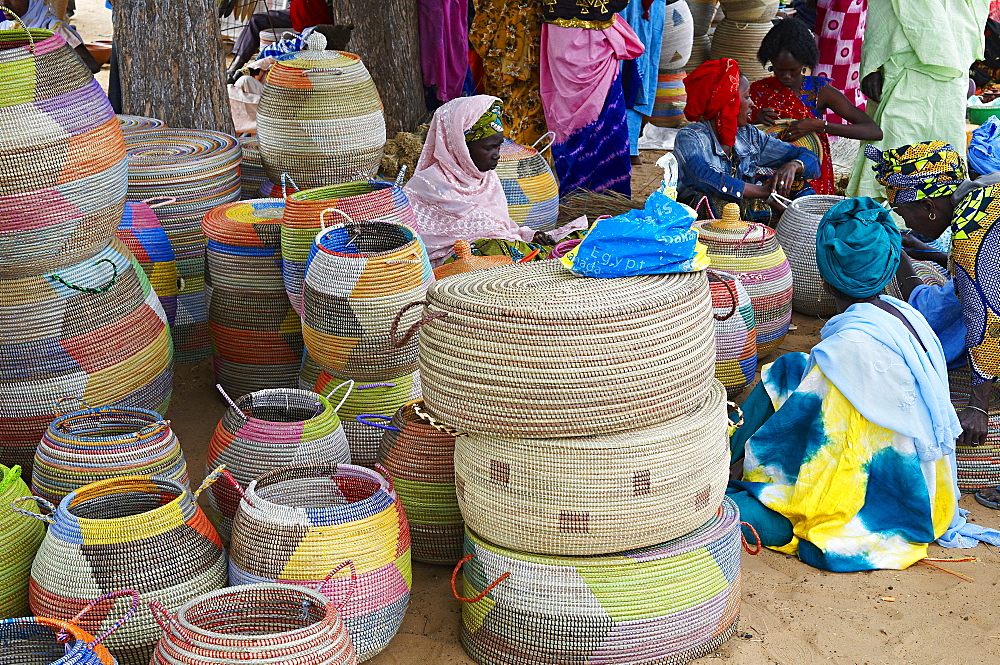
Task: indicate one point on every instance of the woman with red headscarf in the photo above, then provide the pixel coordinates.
(720, 152)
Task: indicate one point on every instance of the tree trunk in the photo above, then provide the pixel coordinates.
(172, 63)
(387, 38)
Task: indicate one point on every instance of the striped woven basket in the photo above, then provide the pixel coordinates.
(298, 523)
(978, 466)
(21, 538)
(200, 170)
(796, 234)
(740, 41)
(320, 119)
(702, 13)
(735, 333)
(752, 11)
(928, 272)
(531, 188)
(701, 50)
(94, 332)
(144, 236)
(256, 623)
(678, 36)
(420, 459)
(530, 349)
(751, 252)
(141, 532)
(131, 123)
(256, 335)
(96, 444)
(271, 190)
(671, 97)
(667, 604)
(62, 152)
(252, 174)
(596, 494)
(306, 212)
(270, 429)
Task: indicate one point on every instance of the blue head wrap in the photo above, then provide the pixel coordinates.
(857, 247)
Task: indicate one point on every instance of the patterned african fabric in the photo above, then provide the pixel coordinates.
(768, 93)
(487, 125)
(920, 171)
(840, 31)
(588, 14)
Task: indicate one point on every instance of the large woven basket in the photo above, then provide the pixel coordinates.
(140, 230)
(270, 429)
(978, 466)
(200, 170)
(667, 604)
(21, 538)
(141, 532)
(62, 154)
(701, 50)
(735, 333)
(671, 97)
(740, 41)
(252, 174)
(702, 13)
(420, 459)
(756, 11)
(531, 188)
(96, 444)
(306, 212)
(531, 350)
(678, 36)
(299, 523)
(94, 332)
(320, 119)
(751, 252)
(796, 233)
(131, 123)
(256, 623)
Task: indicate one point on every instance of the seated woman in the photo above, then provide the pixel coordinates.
(791, 50)
(38, 14)
(718, 154)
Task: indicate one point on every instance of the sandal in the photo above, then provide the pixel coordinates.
(989, 498)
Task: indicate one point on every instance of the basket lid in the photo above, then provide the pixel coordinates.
(730, 218)
(467, 261)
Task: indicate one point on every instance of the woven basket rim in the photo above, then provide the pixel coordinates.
(84, 639)
(291, 589)
(99, 416)
(341, 191)
(409, 234)
(74, 499)
(245, 404)
(303, 57)
(294, 472)
(16, 34)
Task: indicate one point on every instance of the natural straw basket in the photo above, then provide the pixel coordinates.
(740, 41)
(978, 466)
(256, 623)
(298, 523)
(131, 123)
(21, 538)
(531, 189)
(678, 36)
(94, 332)
(252, 174)
(142, 532)
(749, 10)
(702, 13)
(735, 333)
(140, 230)
(531, 350)
(796, 233)
(96, 444)
(62, 154)
(700, 52)
(667, 604)
(466, 261)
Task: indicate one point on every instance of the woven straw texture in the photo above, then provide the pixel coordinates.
(531, 350)
(671, 97)
(252, 174)
(749, 10)
(678, 36)
(740, 41)
(62, 152)
(135, 532)
(320, 119)
(37, 641)
(201, 170)
(131, 123)
(96, 444)
(702, 13)
(531, 188)
(358, 277)
(978, 466)
(299, 523)
(307, 211)
(810, 142)
(796, 234)
(94, 332)
(268, 430)
(140, 230)
(420, 461)
(735, 333)
(596, 494)
(21, 538)
(663, 605)
(270, 190)
(258, 623)
(701, 50)
(256, 335)
(928, 272)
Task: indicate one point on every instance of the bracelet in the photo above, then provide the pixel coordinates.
(912, 277)
(826, 127)
(976, 408)
(801, 164)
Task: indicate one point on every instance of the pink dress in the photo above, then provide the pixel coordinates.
(840, 29)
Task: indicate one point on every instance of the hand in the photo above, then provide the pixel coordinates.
(542, 238)
(871, 86)
(800, 128)
(767, 117)
(975, 425)
(784, 178)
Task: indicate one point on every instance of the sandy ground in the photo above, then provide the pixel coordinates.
(792, 614)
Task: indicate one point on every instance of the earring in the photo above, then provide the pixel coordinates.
(804, 70)
(932, 216)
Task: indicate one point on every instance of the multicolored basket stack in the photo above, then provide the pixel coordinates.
(796, 233)
(978, 466)
(735, 333)
(298, 524)
(132, 123)
(675, 51)
(21, 538)
(531, 188)
(252, 175)
(140, 230)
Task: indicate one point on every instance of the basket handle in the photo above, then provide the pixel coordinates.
(24, 26)
(232, 481)
(117, 624)
(362, 418)
(385, 474)
(703, 201)
(433, 422)
(229, 400)
(165, 618)
(354, 583)
(399, 176)
(38, 516)
(161, 201)
(350, 388)
(454, 582)
(732, 296)
(210, 479)
(738, 410)
(756, 535)
(322, 220)
(394, 328)
(415, 261)
(94, 290)
(285, 179)
(551, 136)
(746, 234)
(66, 398)
(153, 428)
(781, 199)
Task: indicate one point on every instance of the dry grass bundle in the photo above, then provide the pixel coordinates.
(594, 205)
(403, 150)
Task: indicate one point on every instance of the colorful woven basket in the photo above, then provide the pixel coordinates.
(252, 174)
(928, 272)
(144, 236)
(200, 170)
(142, 532)
(751, 252)
(62, 154)
(256, 623)
(298, 523)
(270, 429)
(978, 466)
(735, 333)
(94, 332)
(671, 97)
(420, 460)
(131, 123)
(667, 604)
(271, 190)
(796, 233)
(740, 41)
(96, 444)
(678, 36)
(531, 188)
(530, 349)
(306, 212)
(21, 538)
(320, 119)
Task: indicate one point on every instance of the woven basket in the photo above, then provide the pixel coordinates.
(702, 13)
(810, 141)
(200, 170)
(751, 252)
(740, 41)
(271, 190)
(978, 466)
(140, 230)
(466, 261)
(420, 459)
(270, 429)
(531, 350)
(131, 123)
(252, 175)
(671, 97)
(701, 50)
(796, 234)
(141, 532)
(678, 36)
(928, 272)
(298, 523)
(21, 538)
(94, 332)
(752, 11)
(62, 154)
(97, 444)
(667, 604)
(258, 623)
(320, 119)
(735, 333)
(531, 188)
(307, 211)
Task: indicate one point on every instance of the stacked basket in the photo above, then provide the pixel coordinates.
(144, 236)
(252, 175)
(702, 13)
(735, 333)
(531, 188)
(740, 33)
(675, 53)
(131, 123)
(21, 538)
(796, 233)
